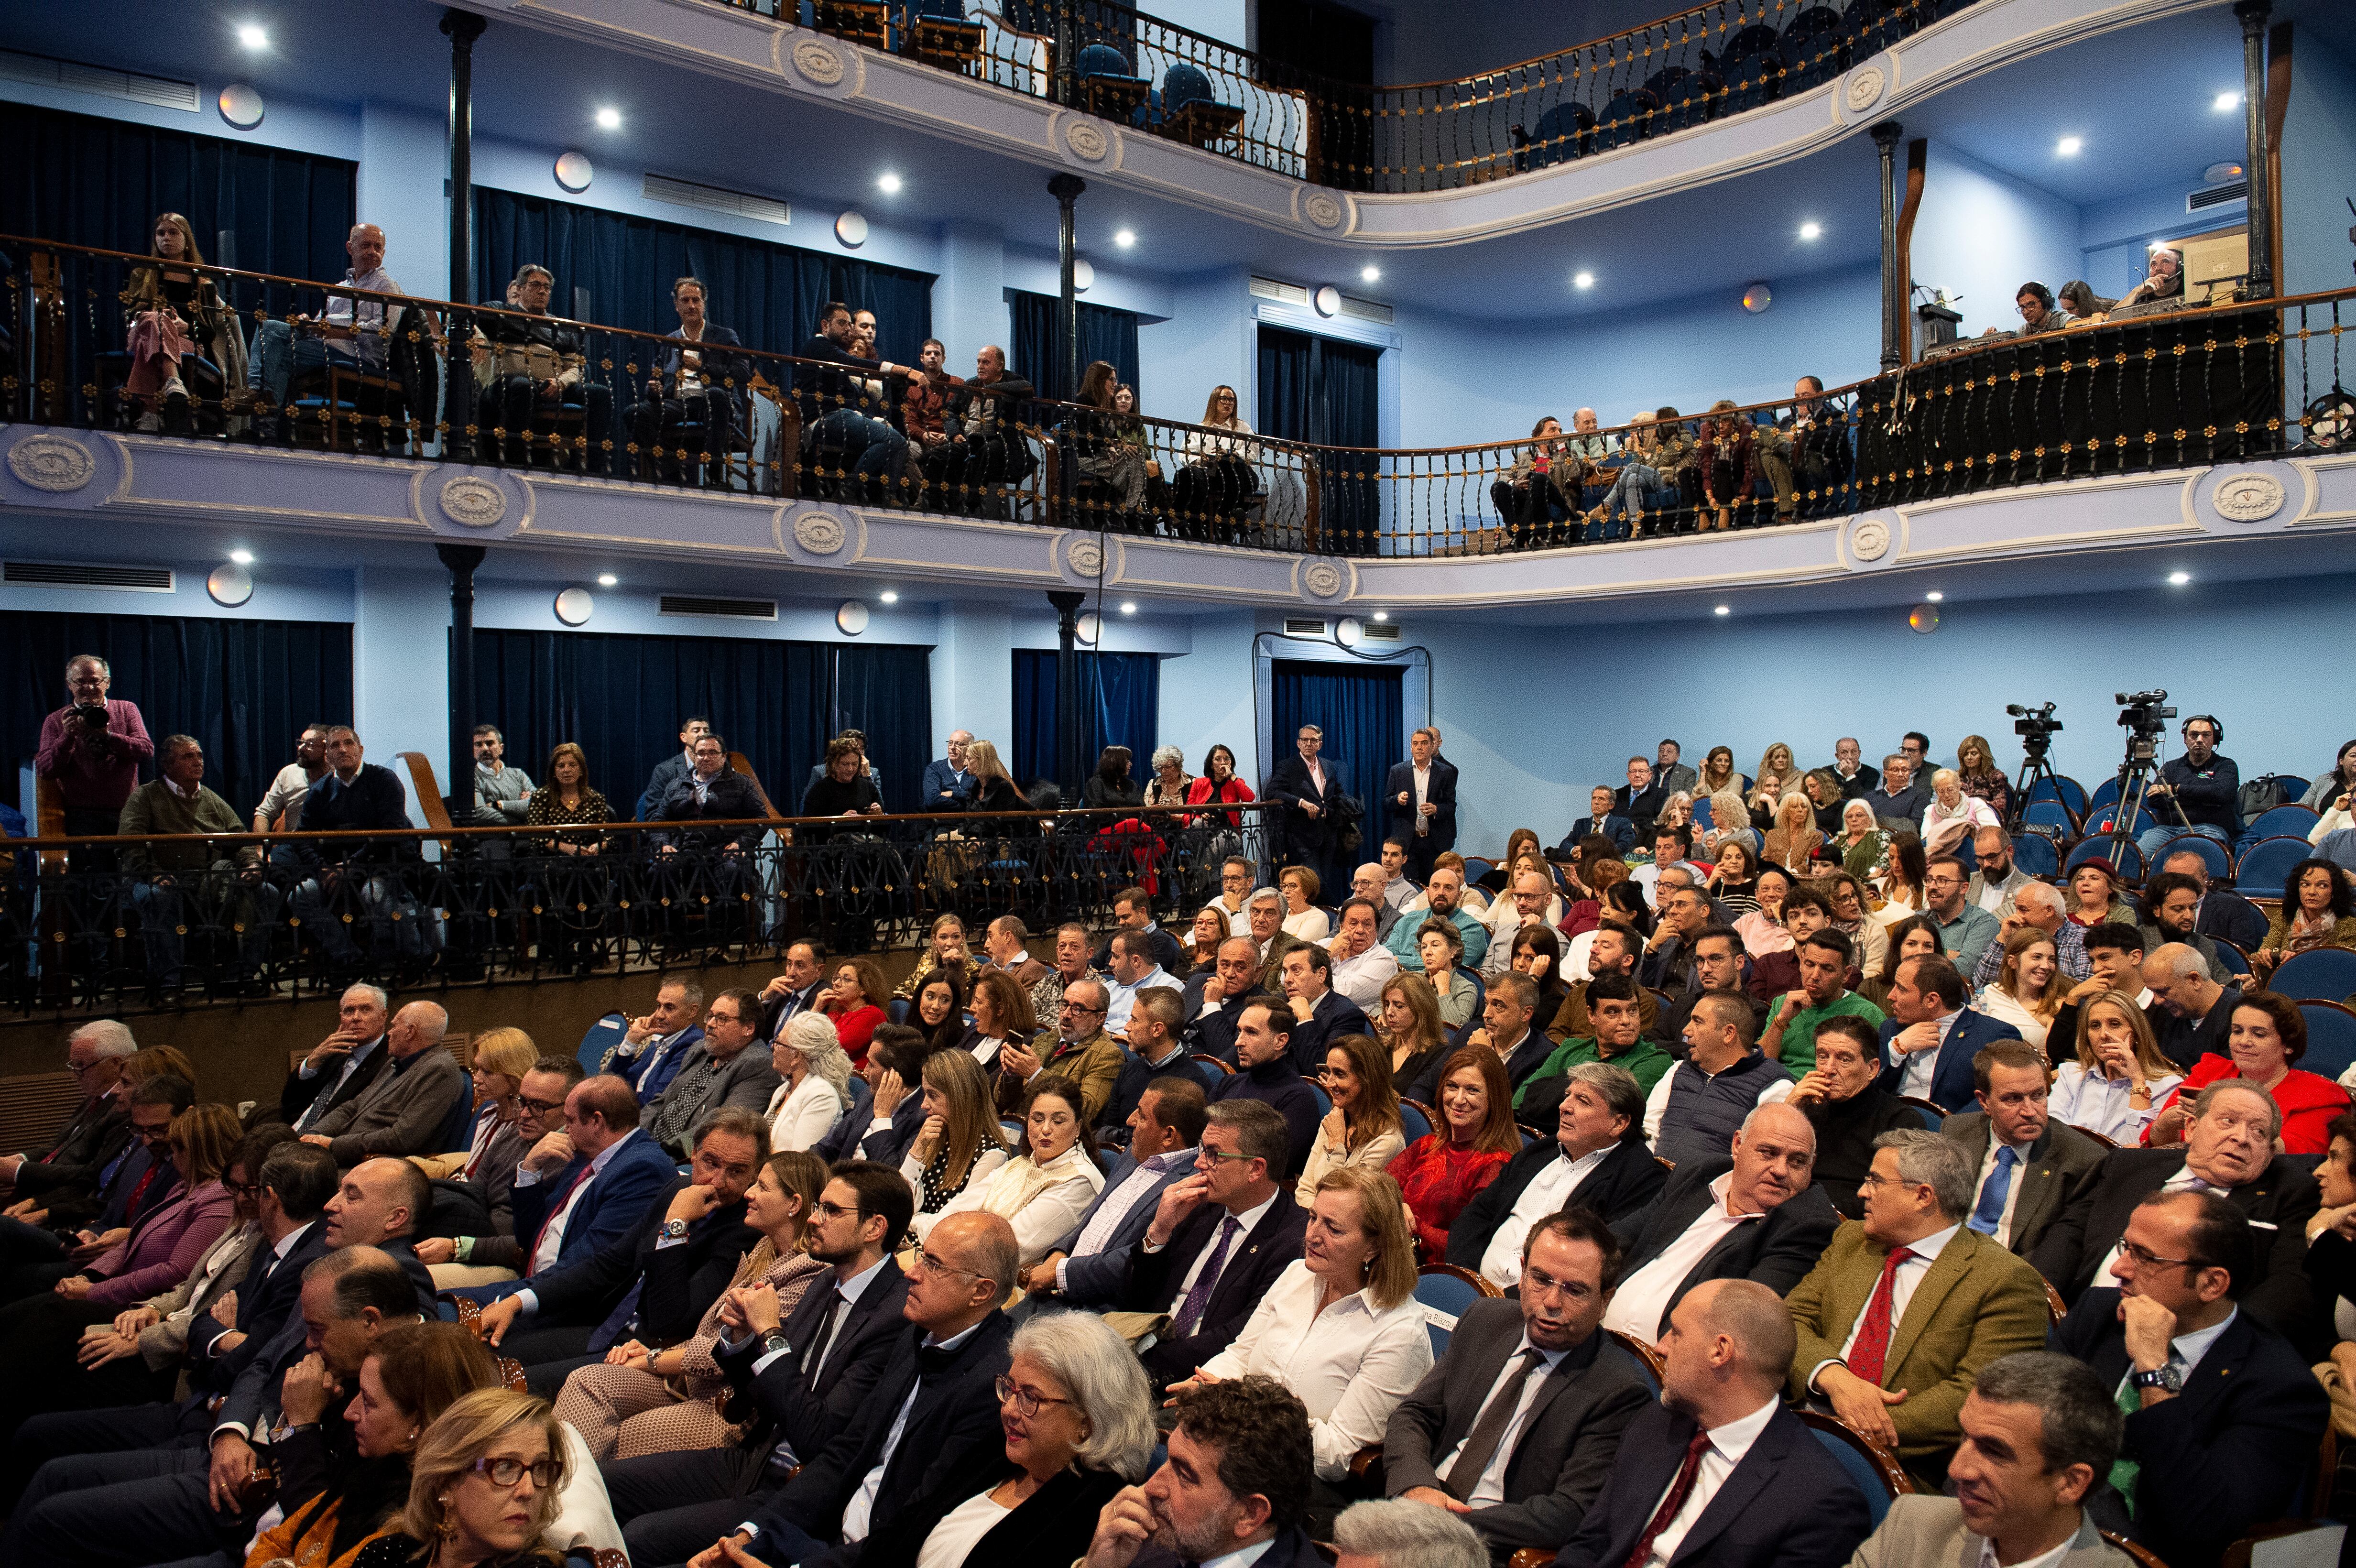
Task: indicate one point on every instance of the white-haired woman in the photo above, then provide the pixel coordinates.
(1171, 781)
(1079, 1426)
(1952, 816)
(816, 1081)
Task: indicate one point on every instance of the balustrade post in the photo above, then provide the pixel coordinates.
(462, 559)
(462, 29)
(1894, 288)
(2253, 15)
(1070, 764)
(1066, 190)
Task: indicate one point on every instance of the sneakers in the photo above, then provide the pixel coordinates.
(150, 423)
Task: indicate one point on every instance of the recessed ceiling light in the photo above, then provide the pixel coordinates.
(1128, 607)
(2226, 103)
(1811, 230)
(889, 597)
(253, 36)
(888, 184)
(2068, 146)
(1369, 274)
(2178, 579)
(1382, 614)
(606, 579)
(1125, 239)
(609, 118)
(242, 557)
(1935, 597)
(1723, 610)
(1583, 280)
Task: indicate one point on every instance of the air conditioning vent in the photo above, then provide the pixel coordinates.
(82, 574)
(1381, 632)
(1367, 310)
(1283, 293)
(734, 608)
(717, 198)
(2217, 195)
(1296, 626)
(161, 91)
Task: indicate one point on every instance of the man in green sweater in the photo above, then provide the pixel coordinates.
(1619, 1039)
(1791, 1034)
(227, 880)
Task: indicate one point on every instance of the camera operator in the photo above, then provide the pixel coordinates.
(2206, 786)
(92, 751)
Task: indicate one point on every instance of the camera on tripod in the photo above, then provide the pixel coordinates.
(2144, 715)
(2035, 726)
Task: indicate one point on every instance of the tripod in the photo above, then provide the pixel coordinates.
(2036, 767)
(2136, 776)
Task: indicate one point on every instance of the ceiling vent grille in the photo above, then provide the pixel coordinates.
(2217, 195)
(1283, 293)
(1367, 310)
(1298, 626)
(1381, 632)
(734, 608)
(162, 91)
(82, 574)
(717, 198)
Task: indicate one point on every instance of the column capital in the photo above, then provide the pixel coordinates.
(1066, 187)
(461, 26)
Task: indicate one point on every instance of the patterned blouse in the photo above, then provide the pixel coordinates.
(1439, 1180)
(549, 810)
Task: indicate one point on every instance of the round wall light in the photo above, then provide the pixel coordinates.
(1757, 297)
(852, 229)
(574, 606)
(852, 618)
(1328, 300)
(241, 106)
(1089, 628)
(1925, 619)
(1083, 274)
(229, 585)
(1349, 631)
(574, 171)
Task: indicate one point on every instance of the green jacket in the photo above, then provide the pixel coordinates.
(1798, 1054)
(155, 808)
(1648, 1061)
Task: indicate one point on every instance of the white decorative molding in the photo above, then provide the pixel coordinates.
(816, 64)
(820, 533)
(1323, 210)
(1864, 88)
(1870, 538)
(472, 502)
(52, 463)
(1086, 556)
(1322, 579)
(2249, 497)
(1087, 140)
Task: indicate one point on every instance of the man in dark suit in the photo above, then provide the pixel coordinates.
(801, 1378)
(407, 1104)
(1595, 1159)
(1213, 1003)
(654, 1047)
(1156, 1049)
(670, 770)
(1303, 789)
(1133, 910)
(695, 383)
(2227, 1415)
(295, 1182)
(1526, 1483)
(1752, 1215)
(2229, 1148)
(2027, 1168)
(1928, 1042)
(1238, 1477)
(1639, 800)
(1217, 1241)
(1603, 818)
(1090, 1266)
(722, 1070)
(356, 876)
(2221, 913)
(1765, 1493)
(1321, 1015)
(793, 992)
(713, 792)
(1857, 777)
(1420, 798)
(100, 1127)
(340, 1066)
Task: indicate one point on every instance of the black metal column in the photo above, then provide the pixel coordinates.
(462, 27)
(1071, 765)
(1894, 288)
(2254, 162)
(1065, 189)
(462, 559)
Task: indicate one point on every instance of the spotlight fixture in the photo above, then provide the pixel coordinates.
(1382, 614)
(1935, 597)
(2226, 103)
(1128, 607)
(889, 184)
(609, 118)
(2178, 579)
(242, 557)
(1583, 280)
(253, 36)
(1369, 274)
(1125, 239)
(607, 579)
(889, 597)
(2068, 147)
(1812, 231)
(1723, 610)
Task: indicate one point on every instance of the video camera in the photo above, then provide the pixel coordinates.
(93, 715)
(2035, 726)
(2144, 715)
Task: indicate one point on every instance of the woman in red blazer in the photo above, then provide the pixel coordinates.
(2268, 1035)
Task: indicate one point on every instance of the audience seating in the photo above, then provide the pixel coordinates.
(2035, 854)
(1684, 97)
(1811, 48)
(1628, 117)
(2326, 973)
(1753, 69)
(2059, 787)
(2098, 848)
(1874, 1468)
(1445, 1291)
(2056, 1308)
(2214, 855)
(2330, 1037)
(2144, 1556)
(2282, 821)
(598, 1044)
(2265, 865)
(1415, 1121)
(1932, 1117)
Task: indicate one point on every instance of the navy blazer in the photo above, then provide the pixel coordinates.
(1616, 827)
(807, 1413)
(1790, 1504)
(1777, 1251)
(1951, 1077)
(1214, 1034)
(1287, 783)
(584, 1286)
(1628, 1180)
(2227, 1453)
(850, 1139)
(668, 772)
(723, 372)
(266, 1299)
(1440, 835)
(1255, 1260)
(614, 1203)
(1334, 1016)
(1098, 1279)
(632, 1069)
(942, 792)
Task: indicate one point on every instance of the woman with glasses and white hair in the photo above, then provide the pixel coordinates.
(1952, 817)
(1078, 1420)
(1171, 781)
(814, 1081)
(485, 1485)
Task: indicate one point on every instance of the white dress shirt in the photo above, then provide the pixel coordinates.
(1901, 1289)
(1489, 1490)
(1351, 1364)
(1422, 796)
(1728, 1445)
(1362, 978)
(2003, 1234)
(2086, 1100)
(1915, 1078)
(1549, 1191)
(2052, 1559)
(1244, 1223)
(1643, 1298)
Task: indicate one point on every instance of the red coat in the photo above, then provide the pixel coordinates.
(2309, 1100)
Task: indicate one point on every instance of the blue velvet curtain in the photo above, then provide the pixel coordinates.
(1361, 710)
(621, 700)
(1105, 333)
(768, 294)
(1324, 390)
(1120, 702)
(85, 181)
(243, 689)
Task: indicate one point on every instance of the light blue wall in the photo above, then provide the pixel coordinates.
(1206, 342)
(1981, 234)
(402, 153)
(401, 667)
(2319, 155)
(1207, 695)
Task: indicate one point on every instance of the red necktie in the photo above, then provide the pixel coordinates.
(138, 1190)
(530, 1264)
(1872, 1346)
(1679, 1490)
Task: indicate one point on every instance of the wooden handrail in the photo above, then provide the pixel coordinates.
(428, 789)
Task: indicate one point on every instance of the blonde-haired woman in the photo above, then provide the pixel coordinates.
(1729, 818)
(1042, 1191)
(2119, 1079)
(485, 1484)
(1341, 1326)
(814, 1081)
(641, 1400)
(1795, 840)
(945, 950)
(1363, 1128)
(959, 1144)
(1774, 762)
(2026, 992)
(998, 803)
(500, 1059)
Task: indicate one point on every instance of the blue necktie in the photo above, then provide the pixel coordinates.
(1992, 1196)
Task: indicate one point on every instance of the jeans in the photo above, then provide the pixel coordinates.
(869, 446)
(1639, 488)
(2152, 839)
(278, 356)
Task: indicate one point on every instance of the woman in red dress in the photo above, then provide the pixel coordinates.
(855, 1000)
(2268, 1035)
(1440, 1172)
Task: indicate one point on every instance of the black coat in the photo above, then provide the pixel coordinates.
(1255, 1260)
(299, 1092)
(268, 1294)
(782, 1401)
(1302, 836)
(1334, 1016)
(1777, 1251)
(1214, 1034)
(1440, 834)
(729, 796)
(373, 800)
(1051, 1526)
(86, 1145)
(1628, 1180)
(681, 1282)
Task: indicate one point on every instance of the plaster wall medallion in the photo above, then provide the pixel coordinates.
(1087, 140)
(2244, 498)
(817, 63)
(52, 463)
(1323, 210)
(1087, 557)
(1870, 539)
(472, 503)
(1865, 85)
(820, 533)
(1323, 578)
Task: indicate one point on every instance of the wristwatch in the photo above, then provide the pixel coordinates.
(2167, 1378)
(772, 1342)
(674, 1230)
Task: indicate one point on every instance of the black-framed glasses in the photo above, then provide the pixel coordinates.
(1026, 1401)
(2146, 1258)
(241, 1189)
(1071, 1007)
(77, 1069)
(504, 1471)
(540, 1107)
(1215, 1156)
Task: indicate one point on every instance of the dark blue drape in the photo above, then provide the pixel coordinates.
(621, 700)
(1361, 710)
(243, 689)
(1323, 390)
(85, 181)
(768, 294)
(1105, 333)
(1120, 703)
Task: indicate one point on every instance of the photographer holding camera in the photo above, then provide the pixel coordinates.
(92, 749)
(2205, 786)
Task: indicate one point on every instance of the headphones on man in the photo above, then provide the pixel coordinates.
(2210, 720)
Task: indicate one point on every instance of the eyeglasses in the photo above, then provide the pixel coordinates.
(540, 1107)
(241, 1189)
(1215, 1156)
(826, 1211)
(1872, 1179)
(2146, 1258)
(504, 1471)
(79, 1068)
(933, 1265)
(1025, 1402)
(1079, 1007)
